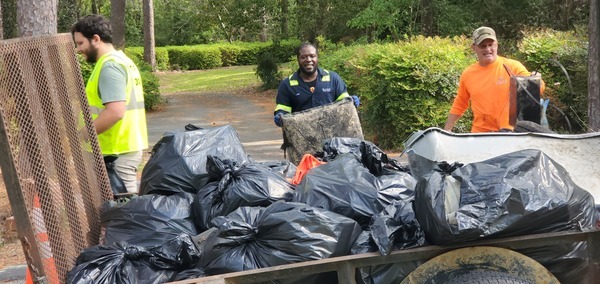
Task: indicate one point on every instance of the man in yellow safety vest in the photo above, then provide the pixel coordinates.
(116, 98)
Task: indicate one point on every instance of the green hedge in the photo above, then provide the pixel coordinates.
(162, 56)
(405, 86)
(207, 56)
(194, 57)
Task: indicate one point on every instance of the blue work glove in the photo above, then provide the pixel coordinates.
(356, 101)
(277, 119)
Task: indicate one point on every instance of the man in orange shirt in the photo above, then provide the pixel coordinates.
(485, 84)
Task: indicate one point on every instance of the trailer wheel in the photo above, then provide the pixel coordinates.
(482, 276)
(530, 126)
(489, 265)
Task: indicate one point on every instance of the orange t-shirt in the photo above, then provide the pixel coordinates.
(487, 89)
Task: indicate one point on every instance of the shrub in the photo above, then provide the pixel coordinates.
(268, 71)
(162, 56)
(548, 51)
(230, 54)
(153, 99)
(196, 57)
(86, 68)
(405, 86)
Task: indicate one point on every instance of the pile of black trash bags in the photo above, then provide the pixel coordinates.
(206, 208)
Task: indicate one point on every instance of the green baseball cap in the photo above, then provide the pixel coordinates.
(483, 33)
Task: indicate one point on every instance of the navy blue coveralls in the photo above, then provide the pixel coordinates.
(294, 94)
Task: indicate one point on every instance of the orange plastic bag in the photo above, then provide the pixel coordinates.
(308, 162)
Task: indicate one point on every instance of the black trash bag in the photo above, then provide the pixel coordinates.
(523, 192)
(178, 160)
(525, 98)
(396, 227)
(238, 185)
(569, 263)
(124, 263)
(285, 168)
(346, 186)
(189, 274)
(283, 233)
(385, 273)
(370, 155)
(148, 220)
(116, 182)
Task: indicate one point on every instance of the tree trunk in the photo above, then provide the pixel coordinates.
(427, 13)
(594, 67)
(149, 52)
(95, 7)
(117, 21)
(284, 19)
(36, 17)
(1, 28)
(9, 18)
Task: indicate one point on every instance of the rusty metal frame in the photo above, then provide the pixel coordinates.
(51, 163)
(346, 265)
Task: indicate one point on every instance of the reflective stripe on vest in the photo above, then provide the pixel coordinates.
(130, 133)
(285, 108)
(342, 96)
(326, 78)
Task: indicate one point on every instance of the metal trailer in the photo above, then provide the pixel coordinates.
(439, 145)
(346, 266)
(56, 179)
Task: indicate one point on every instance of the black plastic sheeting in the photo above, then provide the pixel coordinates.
(525, 97)
(178, 160)
(122, 263)
(148, 220)
(283, 233)
(346, 186)
(235, 186)
(523, 192)
(284, 168)
(569, 263)
(396, 227)
(369, 154)
(385, 273)
(116, 182)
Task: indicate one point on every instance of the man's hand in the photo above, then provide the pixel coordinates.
(277, 119)
(356, 101)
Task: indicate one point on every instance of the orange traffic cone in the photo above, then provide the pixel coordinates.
(43, 245)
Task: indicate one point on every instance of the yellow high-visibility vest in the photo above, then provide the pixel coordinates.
(130, 133)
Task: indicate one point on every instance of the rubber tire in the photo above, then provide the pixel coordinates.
(479, 263)
(529, 126)
(484, 276)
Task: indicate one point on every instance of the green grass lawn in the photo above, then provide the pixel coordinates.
(219, 79)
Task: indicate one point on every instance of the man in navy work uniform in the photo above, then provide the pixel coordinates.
(310, 86)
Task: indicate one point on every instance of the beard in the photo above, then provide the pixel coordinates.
(303, 70)
(91, 56)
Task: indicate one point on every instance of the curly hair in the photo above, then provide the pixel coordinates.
(91, 25)
(303, 45)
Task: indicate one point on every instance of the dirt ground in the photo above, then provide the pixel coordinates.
(11, 252)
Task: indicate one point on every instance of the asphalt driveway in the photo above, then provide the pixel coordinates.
(250, 115)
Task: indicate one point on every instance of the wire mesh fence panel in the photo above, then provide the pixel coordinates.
(52, 166)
